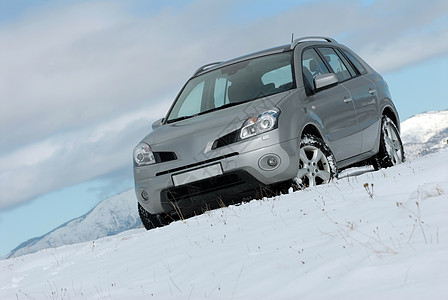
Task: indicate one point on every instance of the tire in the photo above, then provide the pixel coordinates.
(391, 151)
(151, 221)
(317, 164)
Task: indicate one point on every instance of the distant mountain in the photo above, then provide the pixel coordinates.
(421, 134)
(109, 217)
(425, 133)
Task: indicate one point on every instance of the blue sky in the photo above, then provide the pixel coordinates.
(81, 81)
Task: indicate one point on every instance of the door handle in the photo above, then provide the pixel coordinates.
(347, 99)
(372, 91)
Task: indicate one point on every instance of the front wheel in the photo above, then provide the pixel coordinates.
(151, 221)
(317, 164)
(391, 151)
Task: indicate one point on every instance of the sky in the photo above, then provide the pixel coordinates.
(82, 81)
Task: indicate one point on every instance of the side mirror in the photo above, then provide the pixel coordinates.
(325, 80)
(157, 124)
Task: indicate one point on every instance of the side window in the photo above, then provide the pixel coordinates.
(355, 62)
(312, 65)
(335, 63)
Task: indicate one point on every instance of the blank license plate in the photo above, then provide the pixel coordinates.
(198, 174)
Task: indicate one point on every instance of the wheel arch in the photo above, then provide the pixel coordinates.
(389, 112)
(311, 129)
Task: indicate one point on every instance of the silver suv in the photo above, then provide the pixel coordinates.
(254, 126)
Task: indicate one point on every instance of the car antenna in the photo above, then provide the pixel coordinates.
(292, 37)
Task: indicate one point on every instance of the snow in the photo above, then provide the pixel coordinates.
(379, 235)
(420, 128)
(422, 134)
(425, 133)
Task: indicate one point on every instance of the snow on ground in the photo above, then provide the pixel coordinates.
(380, 235)
(422, 134)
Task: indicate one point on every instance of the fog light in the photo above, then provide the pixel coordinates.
(269, 162)
(272, 161)
(144, 194)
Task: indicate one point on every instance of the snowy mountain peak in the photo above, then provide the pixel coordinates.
(425, 133)
(421, 128)
(109, 217)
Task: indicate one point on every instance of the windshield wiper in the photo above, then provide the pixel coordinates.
(206, 111)
(180, 118)
(222, 107)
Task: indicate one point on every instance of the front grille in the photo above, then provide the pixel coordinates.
(197, 197)
(196, 164)
(230, 188)
(206, 186)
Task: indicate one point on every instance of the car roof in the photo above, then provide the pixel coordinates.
(278, 49)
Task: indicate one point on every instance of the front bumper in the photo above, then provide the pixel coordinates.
(244, 173)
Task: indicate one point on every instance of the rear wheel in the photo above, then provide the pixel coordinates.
(151, 221)
(317, 164)
(391, 151)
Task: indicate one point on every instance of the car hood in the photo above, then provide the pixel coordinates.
(211, 125)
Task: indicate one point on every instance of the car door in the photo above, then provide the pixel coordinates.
(365, 99)
(362, 93)
(333, 108)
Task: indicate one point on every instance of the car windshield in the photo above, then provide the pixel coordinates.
(234, 84)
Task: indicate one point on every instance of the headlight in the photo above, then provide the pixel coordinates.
(257, 125)
(143, 155)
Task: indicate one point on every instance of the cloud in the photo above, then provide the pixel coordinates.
(395, 34)
(70, 69)
(80, 83)
(388, 35)
(74, 157)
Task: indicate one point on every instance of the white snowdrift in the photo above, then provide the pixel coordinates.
(381, 235)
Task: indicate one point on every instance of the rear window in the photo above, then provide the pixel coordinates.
(355, 62)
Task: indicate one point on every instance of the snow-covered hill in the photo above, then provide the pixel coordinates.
(425, 133)
(112, 216)
(380, 235)
(422, 134)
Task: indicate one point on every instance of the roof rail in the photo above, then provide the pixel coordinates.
(296, 41)
(206, 66)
